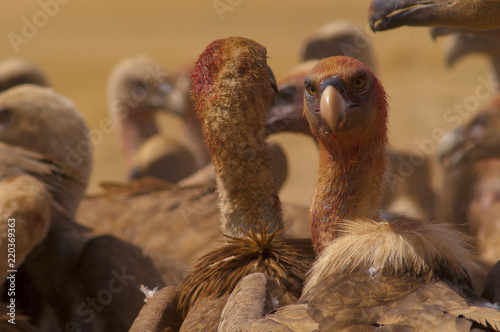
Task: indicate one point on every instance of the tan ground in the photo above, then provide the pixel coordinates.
(84, 39)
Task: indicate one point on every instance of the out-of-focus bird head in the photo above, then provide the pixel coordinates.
(391, 14)
(38, 119)
(227, 68)
(474, 14)
(339, 37)
(139, 85)
(465, 42)
(344, 101)
(287, 114)
(17, 71)
(478, 139)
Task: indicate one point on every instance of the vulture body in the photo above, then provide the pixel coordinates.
(137, 88)
(370, 274)
(35, 122)
(232, 89)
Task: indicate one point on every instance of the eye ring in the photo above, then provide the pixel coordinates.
(310, 89)
(359, 83)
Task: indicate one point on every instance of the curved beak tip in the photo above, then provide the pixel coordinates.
(332, 108)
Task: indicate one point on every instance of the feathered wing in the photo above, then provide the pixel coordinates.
(387, 276)
(254, 296)
(24, 209)
(159, 312)
(365, 304)
(57, 177)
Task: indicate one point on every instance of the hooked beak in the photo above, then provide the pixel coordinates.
(391, 14)
(332, 108)
(453, 149)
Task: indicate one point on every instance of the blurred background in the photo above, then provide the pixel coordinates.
(79, 42)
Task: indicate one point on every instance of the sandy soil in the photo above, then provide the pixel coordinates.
(81, 40)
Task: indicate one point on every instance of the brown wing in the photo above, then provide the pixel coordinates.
(166, 220)
(159, 313)
(57, 178)
(182, 223)
(204, 315)
(25, 219)
(254, 296)
(384, 304)
(113, 271)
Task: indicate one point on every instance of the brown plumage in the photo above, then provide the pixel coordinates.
(48, 124)
(371, 274)
(190, 209)
(473, 14)
(27, 113)
(163, 158)
(25, 203)
(17, 71)
(250, 208)
(160, 312)
(137, 88)
(233, 120)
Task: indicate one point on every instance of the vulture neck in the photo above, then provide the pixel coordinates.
(134, 130)
(349, 186)
(248, 196)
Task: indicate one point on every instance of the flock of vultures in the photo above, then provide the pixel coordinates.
(198, 239)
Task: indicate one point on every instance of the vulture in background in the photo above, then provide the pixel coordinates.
(464, 42)
(232, 89)
(469, 154)
(472, 14)
(137, 88)
(45, 145)
(471, 190)
(371, 274)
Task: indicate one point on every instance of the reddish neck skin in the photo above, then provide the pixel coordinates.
(135, 128)
(349, 184)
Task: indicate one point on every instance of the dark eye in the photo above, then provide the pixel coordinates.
(480, 120)
(310, 89)
(359, 82)
(139, 84)
(5, 115)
